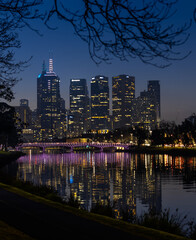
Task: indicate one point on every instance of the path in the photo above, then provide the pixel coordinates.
(44, 222)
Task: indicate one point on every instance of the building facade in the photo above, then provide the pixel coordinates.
(154, 92)
(146, 107)
(79, 113)
(24, 113)
(48, 103)
(123, 94)
(99, 104)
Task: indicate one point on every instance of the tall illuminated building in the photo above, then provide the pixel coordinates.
(154, 94)
(123, 93)
(48, 102)
(23, 113)
(146, 107)
(79, 108)
(99, 104)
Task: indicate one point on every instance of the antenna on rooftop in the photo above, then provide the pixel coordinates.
(43, 67)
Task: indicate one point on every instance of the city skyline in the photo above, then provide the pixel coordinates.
(88, 114)
(72, 60)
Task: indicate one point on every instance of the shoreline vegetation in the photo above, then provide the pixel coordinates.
(173, 151)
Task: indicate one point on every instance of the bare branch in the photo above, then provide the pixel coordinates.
(14, 14)
(126, 28)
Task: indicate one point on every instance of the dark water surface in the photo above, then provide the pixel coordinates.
(135, 182)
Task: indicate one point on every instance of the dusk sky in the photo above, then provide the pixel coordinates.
(72, 60)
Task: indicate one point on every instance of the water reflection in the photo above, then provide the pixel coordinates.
(131, 182)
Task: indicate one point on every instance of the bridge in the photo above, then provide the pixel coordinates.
(74, 146)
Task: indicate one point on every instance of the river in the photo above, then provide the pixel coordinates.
(133, 182)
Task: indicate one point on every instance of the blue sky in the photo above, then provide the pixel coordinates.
(71, 60)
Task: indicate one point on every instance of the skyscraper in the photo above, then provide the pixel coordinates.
(99, 103)
(154, 93)
(79, 107)
(123, 93)
(146, 107)
(23, 113)
(48, 102)
(143, 109)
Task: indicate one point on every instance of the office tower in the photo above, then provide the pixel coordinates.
(48, 102)
(79, 107)
(23, 114)
(154, 93)
(146, 107)
(99, 103)
(123, 93)
(143, 108)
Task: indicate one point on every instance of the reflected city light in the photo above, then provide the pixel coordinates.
(130, 182)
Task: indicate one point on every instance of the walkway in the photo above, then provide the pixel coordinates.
(44, 222)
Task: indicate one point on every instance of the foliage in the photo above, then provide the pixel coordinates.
(141, 134)
(8, 131)
(165, 221)
(102, 209)
(73, 202)
(128, 216)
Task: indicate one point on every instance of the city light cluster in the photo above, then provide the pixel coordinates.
(88, 113)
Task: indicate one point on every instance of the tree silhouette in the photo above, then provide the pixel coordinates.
(111, 28)
(8, 132)
(14, 15)
(125, 28)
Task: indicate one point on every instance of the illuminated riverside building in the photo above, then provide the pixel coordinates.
(79, 108)
(146, 107)
(123, 93)
(99, 104)
(48, 103)
(23, 113)
(24, 120)
(154, 92)
(143, 108)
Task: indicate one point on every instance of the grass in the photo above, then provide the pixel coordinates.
(133, 229)
(9, 233)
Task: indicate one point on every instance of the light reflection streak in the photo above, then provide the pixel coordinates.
(120, 177)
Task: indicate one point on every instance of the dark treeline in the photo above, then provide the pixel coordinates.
(167, 133)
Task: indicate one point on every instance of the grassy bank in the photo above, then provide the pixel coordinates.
(9, 233)
(133, 229)
(173, 151)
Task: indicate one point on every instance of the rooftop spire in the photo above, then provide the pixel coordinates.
(50, 61)
(50, 65)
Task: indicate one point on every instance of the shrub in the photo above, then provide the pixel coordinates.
(173, 223)
(106, 210)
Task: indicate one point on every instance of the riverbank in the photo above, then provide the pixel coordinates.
(7, 157)
(43, 212)
(173, 151)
